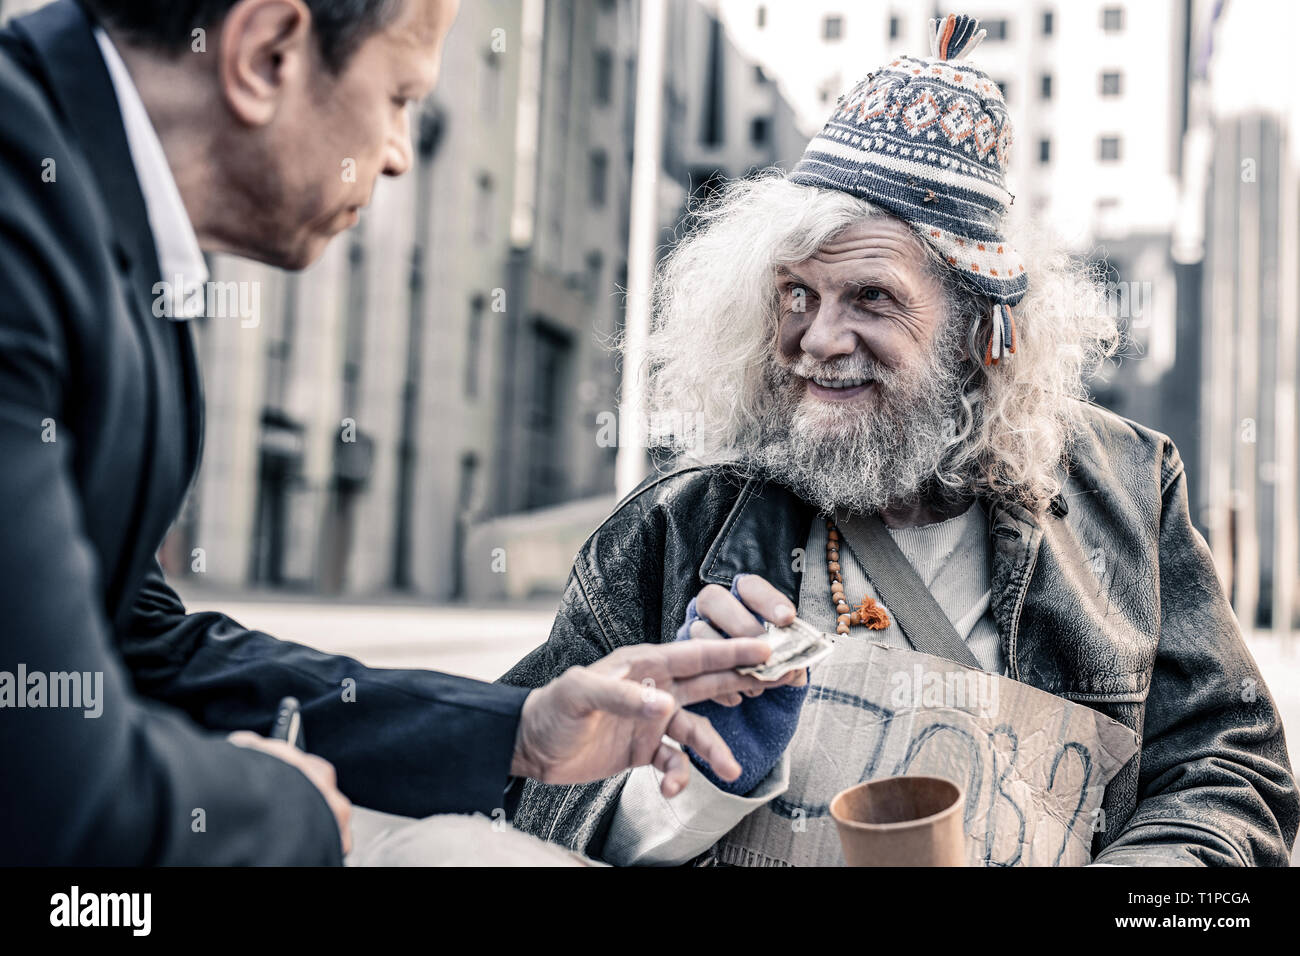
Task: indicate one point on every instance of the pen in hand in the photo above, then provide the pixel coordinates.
(288, 723)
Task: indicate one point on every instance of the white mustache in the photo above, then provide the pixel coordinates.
(847, 369)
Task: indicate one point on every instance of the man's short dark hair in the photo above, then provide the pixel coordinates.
(341, 26)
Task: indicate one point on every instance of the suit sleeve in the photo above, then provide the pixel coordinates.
(116, 780)
(1215, 786)
(410, 742)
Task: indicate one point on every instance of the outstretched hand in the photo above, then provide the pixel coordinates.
(595, 721)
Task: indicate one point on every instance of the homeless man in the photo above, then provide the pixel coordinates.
(859, 346)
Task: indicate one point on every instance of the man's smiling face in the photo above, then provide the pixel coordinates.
(865, 305)
(863, 385)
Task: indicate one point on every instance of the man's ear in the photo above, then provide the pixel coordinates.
(265, 47)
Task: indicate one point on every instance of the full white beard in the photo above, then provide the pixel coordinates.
(858, 456)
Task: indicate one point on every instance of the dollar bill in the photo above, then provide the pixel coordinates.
(794, 647)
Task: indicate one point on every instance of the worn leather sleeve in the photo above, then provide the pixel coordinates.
(1215, 785)
(630, 584)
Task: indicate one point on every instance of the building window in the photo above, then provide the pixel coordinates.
(1108, 149)
(1044, 151)
(597, 172)
(830, 88)
(551, 351)
(1048, 24)
(490, 83)
(762, 16)
(1112, 83)
(759, 130)
(997, 29)
(1112, 19)
(833, 28)
(595, 269)
(603, 80)
(713, 132)
(1045, 87)
(484, 210)
(474, 344)
(895, 27)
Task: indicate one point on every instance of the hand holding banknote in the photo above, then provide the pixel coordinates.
(752, 608)
(757, 728)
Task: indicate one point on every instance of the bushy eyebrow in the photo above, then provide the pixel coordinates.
(849, 285)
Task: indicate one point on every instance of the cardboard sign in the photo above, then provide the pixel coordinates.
(1033, 765)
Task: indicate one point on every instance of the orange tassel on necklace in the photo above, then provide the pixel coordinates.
(868, 612)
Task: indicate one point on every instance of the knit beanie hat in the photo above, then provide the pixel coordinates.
(928, 141)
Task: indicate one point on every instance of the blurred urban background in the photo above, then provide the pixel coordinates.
(420, 420)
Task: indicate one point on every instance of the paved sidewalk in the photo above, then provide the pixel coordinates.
(476, 642)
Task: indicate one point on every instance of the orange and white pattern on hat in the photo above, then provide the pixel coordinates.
(996, 260)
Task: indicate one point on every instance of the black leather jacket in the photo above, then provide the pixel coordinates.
(1151, 640)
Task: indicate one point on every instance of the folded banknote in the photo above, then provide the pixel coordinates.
(794, 647)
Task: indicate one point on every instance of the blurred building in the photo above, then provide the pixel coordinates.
(1251, 501)
(1095, 89)
(347, 425)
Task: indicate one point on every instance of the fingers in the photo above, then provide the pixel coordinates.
(692, 730)
(319, 771)
(246, 738)
(701, 631)
(718, 684)
(587, 690)
(761, 597)
(692, 658)
(727, 614)
(342, 808)
(794, 679)
(676, 768)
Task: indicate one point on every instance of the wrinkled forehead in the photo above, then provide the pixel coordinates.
(869, 244)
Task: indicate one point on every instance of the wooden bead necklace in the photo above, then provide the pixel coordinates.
(867, 613)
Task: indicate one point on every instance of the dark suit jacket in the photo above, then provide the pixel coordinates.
(84, 361)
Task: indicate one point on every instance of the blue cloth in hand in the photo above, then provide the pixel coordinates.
(757, 730)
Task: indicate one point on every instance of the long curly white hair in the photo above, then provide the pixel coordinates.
(715, 313)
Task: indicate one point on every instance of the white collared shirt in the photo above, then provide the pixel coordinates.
(184, 272)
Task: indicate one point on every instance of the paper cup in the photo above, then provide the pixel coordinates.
(902, 821)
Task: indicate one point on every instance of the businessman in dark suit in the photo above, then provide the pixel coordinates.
(124, 151)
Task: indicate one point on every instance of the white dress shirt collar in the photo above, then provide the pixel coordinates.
(184, 272)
